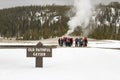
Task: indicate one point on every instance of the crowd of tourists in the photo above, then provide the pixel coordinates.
(68, 42)
(65, 41)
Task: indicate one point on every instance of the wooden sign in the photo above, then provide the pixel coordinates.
(39, 51)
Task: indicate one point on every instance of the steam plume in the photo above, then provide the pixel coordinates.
(83, 13)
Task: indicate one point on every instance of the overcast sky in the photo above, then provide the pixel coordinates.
(13, 3)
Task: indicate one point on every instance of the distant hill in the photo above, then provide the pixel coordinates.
(33, 22)
(41, 22)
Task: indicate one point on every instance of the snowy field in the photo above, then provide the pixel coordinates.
(93, 63)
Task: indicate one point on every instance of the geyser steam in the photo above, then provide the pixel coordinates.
(83, 13)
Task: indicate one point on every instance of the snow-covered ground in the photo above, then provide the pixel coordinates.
(105, 44)
(93, 63)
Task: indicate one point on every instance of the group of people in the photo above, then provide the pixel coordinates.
(81, 42)
(68, 42)
(65, 41)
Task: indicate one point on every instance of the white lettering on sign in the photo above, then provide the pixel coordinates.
(31, 49)
(43, 49)
(39, 54)
(39, 49)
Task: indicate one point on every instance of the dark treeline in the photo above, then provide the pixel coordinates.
(33, 22)
(41, 22)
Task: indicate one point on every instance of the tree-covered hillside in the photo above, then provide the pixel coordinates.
(106, 20)
(41, 22)
(33, 22)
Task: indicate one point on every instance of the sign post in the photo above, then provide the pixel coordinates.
(39, 51)
(39, 62)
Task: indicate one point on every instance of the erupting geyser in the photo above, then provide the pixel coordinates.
(83, 13)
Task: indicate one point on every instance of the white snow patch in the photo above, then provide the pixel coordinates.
(65, 64)
(113, 11)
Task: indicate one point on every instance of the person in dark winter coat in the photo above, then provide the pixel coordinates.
(71, 41)
(85, 41)
(76, 42)
(67, 42)
(60, 42)
(80, 41)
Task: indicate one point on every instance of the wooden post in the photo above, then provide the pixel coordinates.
(39, 61)
(39, 51)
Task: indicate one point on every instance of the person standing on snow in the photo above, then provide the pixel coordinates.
(76, 42)
(85, 41)
(80, 41)
(59, 41)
